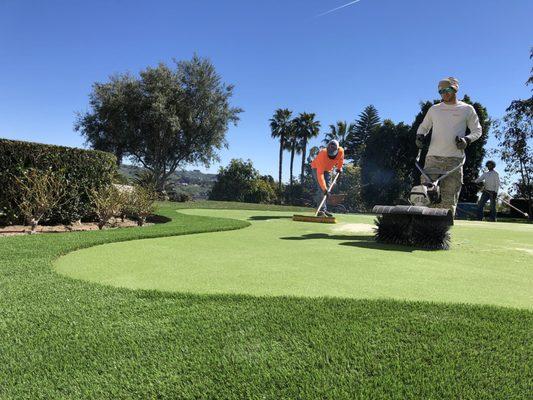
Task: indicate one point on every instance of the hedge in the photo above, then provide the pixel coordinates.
(81, 170)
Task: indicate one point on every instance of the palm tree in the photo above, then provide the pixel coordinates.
(280, 127)
(293, 144)
(340, 132)
(306, 128)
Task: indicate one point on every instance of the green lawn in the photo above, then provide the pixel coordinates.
(275, 256)
(67, 338)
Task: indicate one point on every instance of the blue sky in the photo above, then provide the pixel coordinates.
(389, 53)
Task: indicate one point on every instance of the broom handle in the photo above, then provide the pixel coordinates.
(325, 196)
(509, 204)
(440, 177)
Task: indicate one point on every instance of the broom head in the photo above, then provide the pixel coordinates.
(312, 218)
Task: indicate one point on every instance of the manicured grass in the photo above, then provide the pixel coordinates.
(68, 339)
(488, 264)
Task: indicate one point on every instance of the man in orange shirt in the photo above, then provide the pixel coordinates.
(331, 156)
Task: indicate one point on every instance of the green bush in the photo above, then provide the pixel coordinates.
(80, 171)
(240, 181)
(139, 203)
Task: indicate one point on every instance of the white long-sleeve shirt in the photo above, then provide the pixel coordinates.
(491, 180)
(449, 121)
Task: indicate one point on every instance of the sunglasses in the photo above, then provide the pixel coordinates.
(447, 90)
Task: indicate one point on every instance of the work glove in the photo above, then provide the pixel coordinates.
(326, 193)
(339, 171)
(462, 142)
(419, 141)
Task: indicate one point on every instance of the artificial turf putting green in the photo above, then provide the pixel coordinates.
(488, 263)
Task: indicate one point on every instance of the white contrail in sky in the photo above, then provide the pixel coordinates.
(338, 8)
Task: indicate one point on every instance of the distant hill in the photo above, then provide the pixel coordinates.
(194, 183)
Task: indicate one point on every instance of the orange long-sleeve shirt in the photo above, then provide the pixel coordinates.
(322, 163)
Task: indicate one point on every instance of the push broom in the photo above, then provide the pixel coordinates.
(524, 214)
(316, 218)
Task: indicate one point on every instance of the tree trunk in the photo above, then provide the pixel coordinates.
(304, 154)
(292, 163)
(527, 187)
(281, 142)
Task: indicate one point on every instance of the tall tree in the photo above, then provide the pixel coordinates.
(474, 153)
(340, 132)
(294, 145)
(110, 124)
(386, 164)
(280, 127)
(306, 128)
(364, 126)
(515, 136)
(171, 117)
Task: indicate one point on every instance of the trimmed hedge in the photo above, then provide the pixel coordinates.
(80, 169)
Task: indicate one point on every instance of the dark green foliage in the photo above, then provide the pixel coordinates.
(81, 171)
(240, 181)
(359, 135)
(166, 118)
(340, 132)
(108, 127)
(66, 339)
(387, 164)
(349, 183)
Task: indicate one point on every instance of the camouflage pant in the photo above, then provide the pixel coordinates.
(450, 187)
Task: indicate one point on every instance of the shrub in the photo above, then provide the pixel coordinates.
(139, 203)
(81, 172)
(107, 203)
(38, 193)
(240, 181)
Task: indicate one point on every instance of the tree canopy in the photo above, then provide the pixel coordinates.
(358, 136)
(165, 118)
(387, 164)
(340, 132)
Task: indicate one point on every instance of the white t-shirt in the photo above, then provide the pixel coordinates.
(491, 180)
(449, 121)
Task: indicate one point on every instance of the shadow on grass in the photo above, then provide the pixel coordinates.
(267, 217)
(158, 219)
(362, 241)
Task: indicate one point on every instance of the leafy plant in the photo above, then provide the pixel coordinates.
(107, 203)
(39, 192)
(80, 171)
(139, 203)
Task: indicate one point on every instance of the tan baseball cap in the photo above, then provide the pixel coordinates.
(449, 82)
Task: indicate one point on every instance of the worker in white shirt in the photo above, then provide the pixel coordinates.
(490, 182)
(448, 120)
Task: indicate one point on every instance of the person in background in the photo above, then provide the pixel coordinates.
(326, 159)
(449, 120)
(490, 184)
